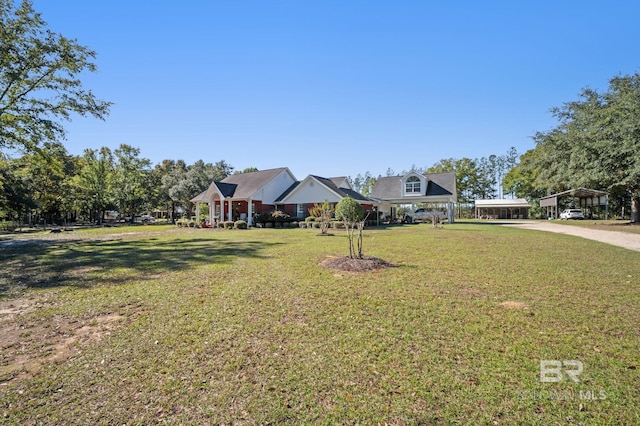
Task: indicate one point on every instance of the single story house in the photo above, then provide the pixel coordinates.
(302, 196)
(517, 208)
(416, 189)
(241, 196)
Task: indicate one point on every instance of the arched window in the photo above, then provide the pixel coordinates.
(412, 185)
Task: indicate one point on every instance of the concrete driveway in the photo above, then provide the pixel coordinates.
(621, 239)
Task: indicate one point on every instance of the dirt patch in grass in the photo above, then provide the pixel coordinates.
(29, 344)
(348, 264)
(510, 304)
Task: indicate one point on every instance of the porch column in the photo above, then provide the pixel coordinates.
(211, 207)
(249, 213)
(451, 212)
(230, 211)
(198, 212)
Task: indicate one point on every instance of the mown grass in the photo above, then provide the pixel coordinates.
(247, 327)
(605, 225)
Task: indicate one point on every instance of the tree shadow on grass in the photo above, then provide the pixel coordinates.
(86, 263)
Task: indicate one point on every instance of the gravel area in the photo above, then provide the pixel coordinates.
(621, 239)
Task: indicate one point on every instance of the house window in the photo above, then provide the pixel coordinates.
(301, 210)
(412, 185)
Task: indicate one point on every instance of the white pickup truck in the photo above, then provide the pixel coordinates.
(424, 215)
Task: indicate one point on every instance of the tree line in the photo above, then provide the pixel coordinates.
(48, 184)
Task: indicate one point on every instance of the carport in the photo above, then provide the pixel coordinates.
(588, 199)
(507, 208)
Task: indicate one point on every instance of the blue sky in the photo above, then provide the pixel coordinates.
(339, 87)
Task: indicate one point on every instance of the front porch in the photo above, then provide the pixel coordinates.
(231, 210)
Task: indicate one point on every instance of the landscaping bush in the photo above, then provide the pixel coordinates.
(263, 218)
(337, 225)
(229, 224)
(280, 216)
(317, 225)
(240, 224)
(8, 226)
(275, 218)
(310, 219)
(186, 223)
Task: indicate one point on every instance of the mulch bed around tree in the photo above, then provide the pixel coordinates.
(348, 264)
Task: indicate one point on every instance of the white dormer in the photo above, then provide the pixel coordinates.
(413, 184)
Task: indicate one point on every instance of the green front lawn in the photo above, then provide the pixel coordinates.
(194, 326)
(604, 225)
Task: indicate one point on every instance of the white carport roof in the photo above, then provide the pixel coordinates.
(503, 203)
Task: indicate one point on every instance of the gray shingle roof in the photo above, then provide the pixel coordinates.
(390, 187)
(343, 192)
(330, 183)
(248, 184)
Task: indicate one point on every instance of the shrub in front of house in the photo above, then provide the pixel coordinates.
(229, 224)
(263, 218)
(317, 225)
(240, 224)
(280, 217)
(310, 219)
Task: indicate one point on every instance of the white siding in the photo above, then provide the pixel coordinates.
(310, 191)
(271, 191)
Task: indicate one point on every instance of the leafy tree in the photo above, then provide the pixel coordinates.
(522, 179)
(353, 216)
(363, 184)
(39, 79)
(596, 143)
(247, 170)
(96, 180)
(15, 194)
(466, 176)
(47, 171)
(130, 179)
(164, 177)
(486, 181)
(182, 182)
(220, 170)
(510, 160)
(173, 172)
